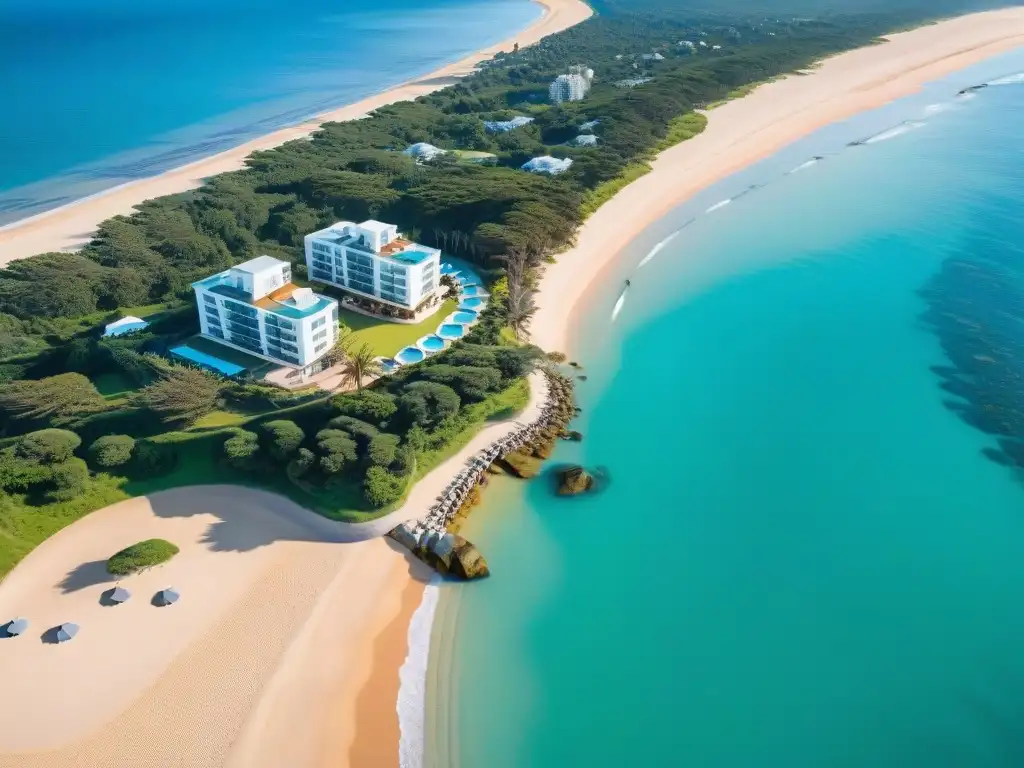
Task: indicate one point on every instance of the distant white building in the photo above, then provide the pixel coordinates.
(125, 325)
(571, 87)
(256, 308)
(716, 47)
(652, 57)
(547, 164)
(589, 126)
(504, 126)
(585, 140)
(421, 151)
(373, 260)
(687, 44)
(702, 43)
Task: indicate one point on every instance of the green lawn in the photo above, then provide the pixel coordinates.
(387, 338)
(220, 419)
(113, 385)
(472, 156)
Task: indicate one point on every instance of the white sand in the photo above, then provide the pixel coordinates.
(258, 664)
(71, 226)
(746, 130)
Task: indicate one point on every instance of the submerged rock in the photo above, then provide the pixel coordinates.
(573, 480)
(572, 435)
(468, 563)
(441, 553)
(522, 464)
(448, 554)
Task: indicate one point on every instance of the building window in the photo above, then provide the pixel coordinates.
(209, 299)
(318, 322)
(214, 330)
(319, 348)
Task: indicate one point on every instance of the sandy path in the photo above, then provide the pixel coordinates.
(72, 225)
(746, 130)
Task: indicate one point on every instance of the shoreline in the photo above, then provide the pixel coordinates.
(71, 226)
(749, 129)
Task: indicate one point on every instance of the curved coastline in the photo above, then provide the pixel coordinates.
(739, 134)
(71, 226)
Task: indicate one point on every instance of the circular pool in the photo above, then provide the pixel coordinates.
(471, 303)
(431, 344)
(473, 290)
(387, 365)
(410, 355)
(464, 316)
(452, 331)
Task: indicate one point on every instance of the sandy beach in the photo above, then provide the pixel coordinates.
(71, 226)
(285, 644)
(749, 129)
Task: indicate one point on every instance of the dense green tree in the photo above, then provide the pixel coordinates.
(18, 474)
(470, 382)
(381, 488)
(62, 396)
(336, 449)
(367, 405)
(181, 395)
(67, 480)
(241, 449)
(283, 438)
(112, 450)
(382, 449)
(426, 403)
(304, 461)
(48, 446)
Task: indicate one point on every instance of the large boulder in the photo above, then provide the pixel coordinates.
(442, 552)
(573, 480)
(522, 464)
(468, 563)
(403, 534)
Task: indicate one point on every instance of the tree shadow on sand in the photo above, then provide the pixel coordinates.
(86, 575)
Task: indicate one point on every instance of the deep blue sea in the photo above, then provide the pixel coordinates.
(808, 553)
(96, 93)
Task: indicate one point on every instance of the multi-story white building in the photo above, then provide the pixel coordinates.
(373, 260)
(568, 88)
(256, 308)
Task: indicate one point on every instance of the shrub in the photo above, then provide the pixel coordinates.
(381, 488)
(557, 357)
(405, 460)
(471, 382)
(367, 405)
(241, 449)
(68, 480)
(284, 438)
(112, 450)
(425, 403)
(382, 448)
(48, 445)
(145, 554)
(153, 458)
(302, 463)
(17, 474)
(361, 431)
(336, 450)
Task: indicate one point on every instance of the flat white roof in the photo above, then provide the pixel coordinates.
(259, 264)
(375, 226)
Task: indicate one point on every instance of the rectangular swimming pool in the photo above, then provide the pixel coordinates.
(207, 361)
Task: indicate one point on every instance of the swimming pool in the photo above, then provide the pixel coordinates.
(471, 303)
(430, 344)
(387, 365)
(410, 355)
(207, 361)
(464, 316)
(451, 331)
(473, 290)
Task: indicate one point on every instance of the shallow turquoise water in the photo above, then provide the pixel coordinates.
(803, 558)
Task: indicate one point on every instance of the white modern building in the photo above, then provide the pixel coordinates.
(374, 261)
(256, 308)
(571, 87)
(547, 164)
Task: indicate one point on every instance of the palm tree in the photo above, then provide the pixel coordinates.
(359, 364)
(519, 304)
(339, 350)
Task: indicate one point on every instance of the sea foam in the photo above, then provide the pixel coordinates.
(618, 305)
(892, 133)
(1016, 79)
(412, 688)
(658, 248)
(718, 205)
(805, 165)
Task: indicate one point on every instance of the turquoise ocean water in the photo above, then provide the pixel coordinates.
(99, 93)
(803, 557)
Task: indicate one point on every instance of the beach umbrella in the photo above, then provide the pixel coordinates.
(166, 597)
(119, 594)
(66, 631)
(16, 627)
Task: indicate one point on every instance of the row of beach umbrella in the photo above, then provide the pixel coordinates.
(67, 631)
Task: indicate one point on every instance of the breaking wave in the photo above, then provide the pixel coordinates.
(412, 688)
(658, 248)
(716, 206)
